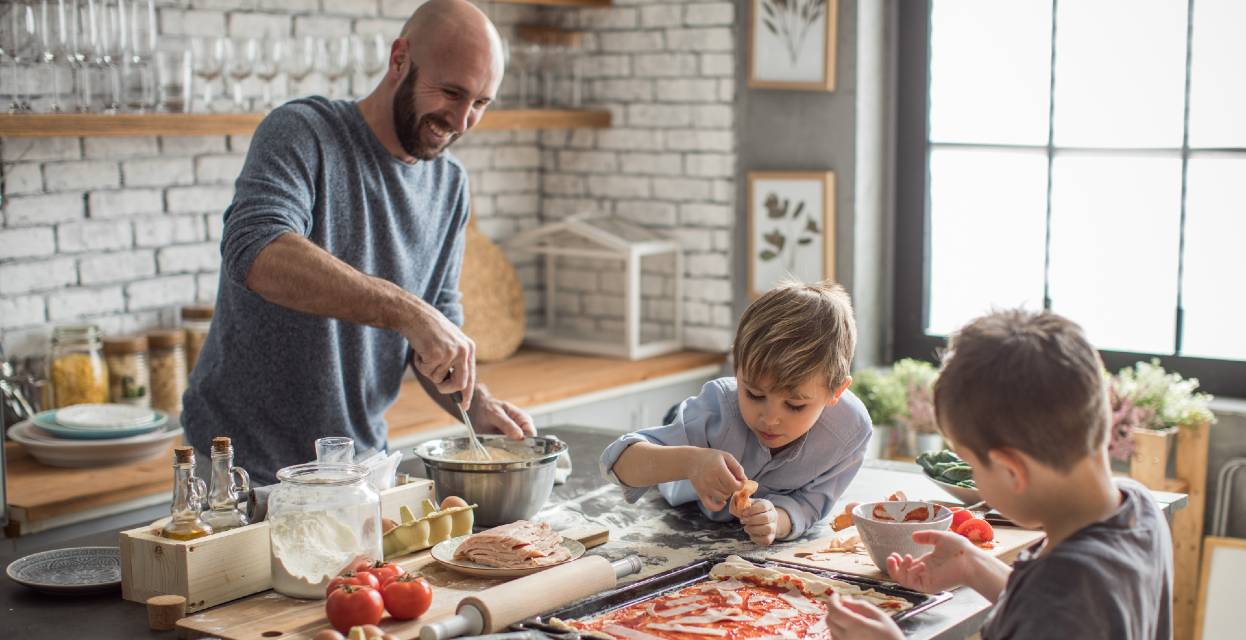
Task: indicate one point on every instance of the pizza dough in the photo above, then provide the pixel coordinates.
(742, 499)
(737, 600)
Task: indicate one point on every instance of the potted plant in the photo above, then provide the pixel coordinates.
(1149, 405)
(884, 400)
(917, 377)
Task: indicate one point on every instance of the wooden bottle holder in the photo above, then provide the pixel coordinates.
(223, 566)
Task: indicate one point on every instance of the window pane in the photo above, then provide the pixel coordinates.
(1114, 238)
(987, 228)
(1214, 260)
(990, 71)
(1120, 73)
(1217, 82)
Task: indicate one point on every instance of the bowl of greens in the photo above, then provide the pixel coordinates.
(952, 474)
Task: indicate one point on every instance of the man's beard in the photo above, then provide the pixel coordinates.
(408, 125)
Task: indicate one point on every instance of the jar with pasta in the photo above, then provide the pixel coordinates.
(76, 366)
(168, 369)
(196, 320)
(129, 377)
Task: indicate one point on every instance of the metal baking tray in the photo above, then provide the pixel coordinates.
(680, 577)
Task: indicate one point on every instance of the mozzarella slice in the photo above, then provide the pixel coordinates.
(801, 603)
(628, 634)
(682, 628)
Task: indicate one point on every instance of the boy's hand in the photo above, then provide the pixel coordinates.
(715, 475)
(944, 567)
(848, 618)
(760, 520)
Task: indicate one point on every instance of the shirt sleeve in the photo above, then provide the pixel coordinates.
(273, 195)
(448, 297)
(696, 423)
(814, 501)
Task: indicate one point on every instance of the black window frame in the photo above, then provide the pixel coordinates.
(912, 223)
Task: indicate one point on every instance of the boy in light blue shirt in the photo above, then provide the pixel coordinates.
(786, 421)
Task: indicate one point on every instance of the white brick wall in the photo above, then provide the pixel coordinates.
(120, 231)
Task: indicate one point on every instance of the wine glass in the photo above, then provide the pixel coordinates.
(371, 55)
(209, 62)
(271, 53)
(240, 59)
(21, 49)
(300, 59)
(108, 16)
(138, 68)
(334, 61)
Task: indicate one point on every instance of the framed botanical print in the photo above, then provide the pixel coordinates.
(791, 227)
(792, 44)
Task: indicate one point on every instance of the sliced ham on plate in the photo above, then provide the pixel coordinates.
(520, 544)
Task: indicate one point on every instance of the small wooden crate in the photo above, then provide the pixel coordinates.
(220, 567)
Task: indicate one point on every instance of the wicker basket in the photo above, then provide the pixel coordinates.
(493, 306)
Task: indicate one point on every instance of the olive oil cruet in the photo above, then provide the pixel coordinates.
(188, 493)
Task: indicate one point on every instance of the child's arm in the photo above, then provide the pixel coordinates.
(953, 561)
(714, 474)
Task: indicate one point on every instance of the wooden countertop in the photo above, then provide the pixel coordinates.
(530, 379)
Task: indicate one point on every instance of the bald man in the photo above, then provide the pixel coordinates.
(341, 254)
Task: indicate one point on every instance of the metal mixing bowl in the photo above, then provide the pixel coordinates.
(503, 491)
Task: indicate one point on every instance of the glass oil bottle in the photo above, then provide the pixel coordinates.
(188, 494)
(229, 484)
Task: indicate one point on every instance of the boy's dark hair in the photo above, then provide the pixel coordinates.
(1023, 380)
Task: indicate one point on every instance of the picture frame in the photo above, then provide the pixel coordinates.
(1219, 591)
(791, 227)
(792, 44)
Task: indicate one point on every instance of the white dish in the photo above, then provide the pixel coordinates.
(30, 431)
(93, 453)
(964, 494)
(443, 553)
(104, 416)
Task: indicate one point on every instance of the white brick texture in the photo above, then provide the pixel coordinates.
(23, 211)
(161, 292)
(94, 236)
(26, 243)
(76, 303)
(116, 267)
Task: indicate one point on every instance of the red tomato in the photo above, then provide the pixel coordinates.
(352, 578)
(959, 516)
(977, 530)
(350, 606)
(407, 597)
(383, 570)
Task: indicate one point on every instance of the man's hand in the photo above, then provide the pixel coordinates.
(715, 475)
(944, 567)
(849, 618)
(490, 415)
(760, 520)
(443, 354)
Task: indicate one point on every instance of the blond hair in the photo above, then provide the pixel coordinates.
(795, 332)
(1023, 380)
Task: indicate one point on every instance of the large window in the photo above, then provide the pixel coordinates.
(1084, 156)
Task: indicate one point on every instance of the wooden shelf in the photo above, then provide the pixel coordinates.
(224, 124)
(561, 3)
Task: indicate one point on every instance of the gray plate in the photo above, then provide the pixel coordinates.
(73, 570)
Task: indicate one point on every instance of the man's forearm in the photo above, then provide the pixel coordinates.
(295, 273)
(645, 464)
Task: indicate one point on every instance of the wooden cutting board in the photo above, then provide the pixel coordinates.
(1009, 541)
(270, 615)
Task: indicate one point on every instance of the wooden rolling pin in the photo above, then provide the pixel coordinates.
(496, 608)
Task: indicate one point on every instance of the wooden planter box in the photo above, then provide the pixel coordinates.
(220, 567)
(1149, 463)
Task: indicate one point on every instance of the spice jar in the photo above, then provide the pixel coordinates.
(168, 370)
(321, 517)
(76, 366)
(129, 378)
(196, 320)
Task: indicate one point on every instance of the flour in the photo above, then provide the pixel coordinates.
(309, 549)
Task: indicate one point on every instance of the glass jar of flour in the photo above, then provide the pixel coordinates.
(321, 518)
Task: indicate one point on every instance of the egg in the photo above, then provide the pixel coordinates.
(453, 501)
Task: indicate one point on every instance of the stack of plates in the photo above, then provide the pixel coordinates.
(96, 434)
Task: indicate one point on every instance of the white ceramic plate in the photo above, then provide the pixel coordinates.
(105, 416)
(964, 494)
(443, 553)
(69, 571)
(92, 453)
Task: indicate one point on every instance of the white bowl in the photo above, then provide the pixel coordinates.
(885, 537)
(58, 452)
(964, 494)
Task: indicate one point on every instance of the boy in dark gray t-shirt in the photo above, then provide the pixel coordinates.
(1022, 399)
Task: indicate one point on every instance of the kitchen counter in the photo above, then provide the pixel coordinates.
(42, 497)
(662, 536)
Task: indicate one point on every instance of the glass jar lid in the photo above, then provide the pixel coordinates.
(323, 474)
(75, 333)
(124, 345)
(166, 339)
(197, 312)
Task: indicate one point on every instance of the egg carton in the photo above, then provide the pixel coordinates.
(435, 525)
